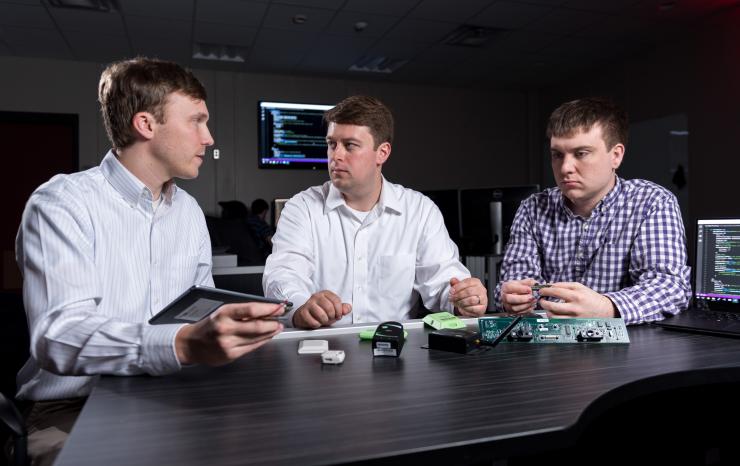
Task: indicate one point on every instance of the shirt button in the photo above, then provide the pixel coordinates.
(585, 227)
(359, 288)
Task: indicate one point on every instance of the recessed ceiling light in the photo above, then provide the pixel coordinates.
(300, 18)
(360, 26)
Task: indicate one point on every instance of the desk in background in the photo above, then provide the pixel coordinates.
(276, 407)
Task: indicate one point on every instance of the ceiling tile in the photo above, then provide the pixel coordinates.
(275, 59)
(281, 17)
(97, 47)
(327, 4)
(227, 34)
(445, 10)
(174, 30)
(284, 39)
(420, 30)
(449, 55)
(377, 25)
(612, 6)
(173, 9)
(35, 42)
(230, 12)
(344, 52)
(397, 48)
(25, 16)
(562, 21)
(381, 7)
(179, 51)
(22, 2)
(527, 41)
(88, 21)
(509, 15)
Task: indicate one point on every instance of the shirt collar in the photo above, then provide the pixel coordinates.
(388, 198)
(126, 183)
(602, 206)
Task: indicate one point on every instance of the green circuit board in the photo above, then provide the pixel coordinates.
(544, 330)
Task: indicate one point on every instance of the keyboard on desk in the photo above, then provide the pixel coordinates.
(717, 315)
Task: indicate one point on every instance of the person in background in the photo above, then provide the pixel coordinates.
(258, 224)
(359, 248)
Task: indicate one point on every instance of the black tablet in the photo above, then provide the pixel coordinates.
(200, 301)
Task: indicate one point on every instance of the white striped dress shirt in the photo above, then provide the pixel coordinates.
(98, 261)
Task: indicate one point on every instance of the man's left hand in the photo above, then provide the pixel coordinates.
(469, 297)
(577, 300)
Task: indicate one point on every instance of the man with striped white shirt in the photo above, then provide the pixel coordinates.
(103, 250)
(611, 247)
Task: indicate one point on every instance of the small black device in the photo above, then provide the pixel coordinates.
(388, 339)
(199, 302)
(454, 340)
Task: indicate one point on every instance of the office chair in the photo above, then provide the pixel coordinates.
(12, 422)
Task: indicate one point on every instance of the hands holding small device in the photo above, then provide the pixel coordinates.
(229, 333)
(573, 299)
(321, 310)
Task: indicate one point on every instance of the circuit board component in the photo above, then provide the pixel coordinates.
(544, 330)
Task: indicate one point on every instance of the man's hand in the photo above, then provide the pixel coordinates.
(228, 334)
(578, 300)
(321, 310)
(469, 297)
(517, 297)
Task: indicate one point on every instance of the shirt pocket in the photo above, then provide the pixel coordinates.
(397, 278)
(182, 271)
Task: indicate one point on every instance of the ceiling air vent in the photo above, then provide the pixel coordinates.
(471, 36)
(219, 52)
(377, 65)
(105, 6)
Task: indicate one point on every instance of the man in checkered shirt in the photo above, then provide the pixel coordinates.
(610, 247)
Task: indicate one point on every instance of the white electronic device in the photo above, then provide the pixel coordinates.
(313, 346)
(332, 357)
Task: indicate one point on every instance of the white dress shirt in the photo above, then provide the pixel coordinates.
(98, 261)
(381, 264)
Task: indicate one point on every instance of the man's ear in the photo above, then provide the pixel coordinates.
(617, 154)
(382, 153)
(143, 123)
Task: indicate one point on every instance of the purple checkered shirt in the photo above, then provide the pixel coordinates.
(631, 249)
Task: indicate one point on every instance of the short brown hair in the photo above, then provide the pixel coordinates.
(362, 110)
(140, 85)
(583, 114)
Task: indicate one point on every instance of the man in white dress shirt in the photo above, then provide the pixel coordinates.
(359, 248)
(103, 250)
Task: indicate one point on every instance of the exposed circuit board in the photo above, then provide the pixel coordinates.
(544, 330)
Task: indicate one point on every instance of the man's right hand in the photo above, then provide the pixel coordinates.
(228, 334)
(517, 297)
(321, 310)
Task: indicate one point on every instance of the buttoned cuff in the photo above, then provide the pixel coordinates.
(622, 305)
(159, 356)
(298, 300)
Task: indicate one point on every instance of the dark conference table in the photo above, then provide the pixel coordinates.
(277, 407)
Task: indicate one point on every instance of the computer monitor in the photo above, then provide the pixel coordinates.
(486, 215)
(717, 279)
(448, 201)
(292, 135)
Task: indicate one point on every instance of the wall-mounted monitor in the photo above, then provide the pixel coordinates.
(292, 135)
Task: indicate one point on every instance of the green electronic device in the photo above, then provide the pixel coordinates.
(543, 330)
(440, 320)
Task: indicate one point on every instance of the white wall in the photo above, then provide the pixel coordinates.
(445, 137)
